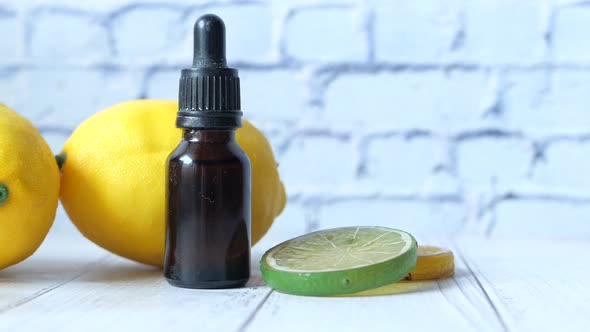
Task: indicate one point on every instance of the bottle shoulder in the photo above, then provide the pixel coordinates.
(203, 151)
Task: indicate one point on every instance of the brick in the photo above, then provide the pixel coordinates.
(276, 135)
(416, 217)
(566, 100)
(317, 163)
(249, 31)
(542, 219)
(407, 100)
(57, 98)
(523, 93)
(503, 31)
(274, 95)
(489, 161)
(406, 165)
(537, 101)
(414, 31)
(146, 31)
(10, 29)
(565, 167)
(162, 84)
(67, 36)
(570, 27)
(326, 34)
(10, 87)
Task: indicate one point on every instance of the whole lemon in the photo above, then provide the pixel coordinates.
(113, 178)
(29, 188)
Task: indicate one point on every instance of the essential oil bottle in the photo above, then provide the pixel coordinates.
(208, 174)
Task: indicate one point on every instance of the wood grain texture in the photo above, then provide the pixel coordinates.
(64, 288)
(71, 285)
(534, 285)
(61, 259)
(120, 295)
(456, 304)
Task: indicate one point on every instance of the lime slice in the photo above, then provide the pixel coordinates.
(339, 261)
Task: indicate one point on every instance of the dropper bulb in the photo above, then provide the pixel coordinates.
(209, 42)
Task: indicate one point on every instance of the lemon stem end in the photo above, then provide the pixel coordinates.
(4, 194)
(61, 160)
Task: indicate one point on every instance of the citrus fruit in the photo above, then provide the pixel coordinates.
(433, 263)
(113, 178)
(339, 261)
(29, 187)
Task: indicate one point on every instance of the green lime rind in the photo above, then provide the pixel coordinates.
(339, 282)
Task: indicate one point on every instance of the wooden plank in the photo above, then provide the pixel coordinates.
(534, 285)
(61, 289)
(457, 304)
(124, 296)
(70, 284)
(61, 258)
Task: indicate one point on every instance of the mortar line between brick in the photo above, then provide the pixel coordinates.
(322, 67)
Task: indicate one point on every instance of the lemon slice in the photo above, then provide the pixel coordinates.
(433, 263)
(339, 261)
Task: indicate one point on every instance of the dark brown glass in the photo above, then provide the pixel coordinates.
(208, 212)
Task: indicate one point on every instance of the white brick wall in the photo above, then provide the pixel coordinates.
(448, 117)
(336, 33)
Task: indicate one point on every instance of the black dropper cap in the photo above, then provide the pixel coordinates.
(209, 94)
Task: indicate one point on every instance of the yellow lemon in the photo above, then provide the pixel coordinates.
(29, 187)
(113, 178)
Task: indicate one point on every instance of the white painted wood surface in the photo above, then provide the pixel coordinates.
(72, 285)
(534, 285)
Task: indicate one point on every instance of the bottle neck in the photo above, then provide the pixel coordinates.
(209, 136)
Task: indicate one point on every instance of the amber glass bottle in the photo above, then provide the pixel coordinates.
(208, 188)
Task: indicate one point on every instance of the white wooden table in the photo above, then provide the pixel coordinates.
(72, 285)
